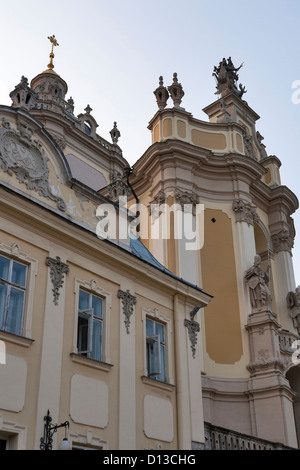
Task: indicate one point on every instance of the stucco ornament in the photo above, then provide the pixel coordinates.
(193, 328)
(57, 271)
(25, 157)
(244, 212)
(128, 301)
(258, 282)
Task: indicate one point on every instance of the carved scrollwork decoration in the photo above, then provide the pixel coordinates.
(128, 301)
(25, 157)
(57, 271)
(187, 201)
(244, 212)
(193, 328)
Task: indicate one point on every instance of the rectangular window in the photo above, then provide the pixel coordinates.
(12, 294)
(90, 325)
(155, 348)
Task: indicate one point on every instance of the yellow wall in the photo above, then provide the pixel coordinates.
(222, 320)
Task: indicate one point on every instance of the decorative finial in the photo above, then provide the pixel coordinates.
(176, 91)
(161, 94)
(115, 134)
(51, 55)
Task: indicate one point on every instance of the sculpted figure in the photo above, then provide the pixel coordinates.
(227, 77)
(258, 283)
(293, 304)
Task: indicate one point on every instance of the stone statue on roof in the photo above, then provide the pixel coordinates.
(227, 77)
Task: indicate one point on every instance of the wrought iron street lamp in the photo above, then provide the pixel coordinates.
(49, 430)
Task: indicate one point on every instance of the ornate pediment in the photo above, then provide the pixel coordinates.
(24, 157)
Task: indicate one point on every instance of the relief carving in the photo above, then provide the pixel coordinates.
(57, 271)
(24, 157)
(128, 301)
(264, 362)
(193, 328)
(244, 212)
(188, 201)
(283, 241)
(156, 206)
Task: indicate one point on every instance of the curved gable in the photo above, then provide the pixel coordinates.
(33, 165)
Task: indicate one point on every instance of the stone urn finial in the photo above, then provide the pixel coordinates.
(115, 134)
(176, 91)
(162, 94)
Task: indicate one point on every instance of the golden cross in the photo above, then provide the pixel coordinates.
(54, 42)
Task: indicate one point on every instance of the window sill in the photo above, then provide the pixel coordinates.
(157, 383)
(16, 339)
(86, 361)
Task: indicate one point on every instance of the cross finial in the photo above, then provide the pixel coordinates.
(54, 42)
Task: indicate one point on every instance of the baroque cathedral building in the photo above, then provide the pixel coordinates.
(152, 306)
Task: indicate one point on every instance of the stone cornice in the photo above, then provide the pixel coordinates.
(274, 199)
(200, 161)
(72, 133)
(240, 104)
(198, 123)
(68, 234)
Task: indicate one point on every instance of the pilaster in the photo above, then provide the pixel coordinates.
(52, 345)
(127, 376)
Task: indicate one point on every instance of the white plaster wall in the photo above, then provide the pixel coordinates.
(158, 418)
(13, 377)
(89, 401)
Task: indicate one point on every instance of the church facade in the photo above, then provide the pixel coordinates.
(151, 307)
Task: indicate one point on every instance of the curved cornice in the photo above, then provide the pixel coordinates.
(107, 149)
(219, 167)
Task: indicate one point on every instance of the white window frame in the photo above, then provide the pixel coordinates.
(156, 315)
(14, 434)
(91, 287)
(87, 441)
(14, 253)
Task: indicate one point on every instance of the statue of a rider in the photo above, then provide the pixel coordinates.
(227, 77)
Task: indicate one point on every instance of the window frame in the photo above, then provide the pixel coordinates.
(92, 319)
(92, 288)
(156, 316)
(13, 253)
(10, 285)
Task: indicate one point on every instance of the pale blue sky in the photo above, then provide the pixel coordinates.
(111, 54)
